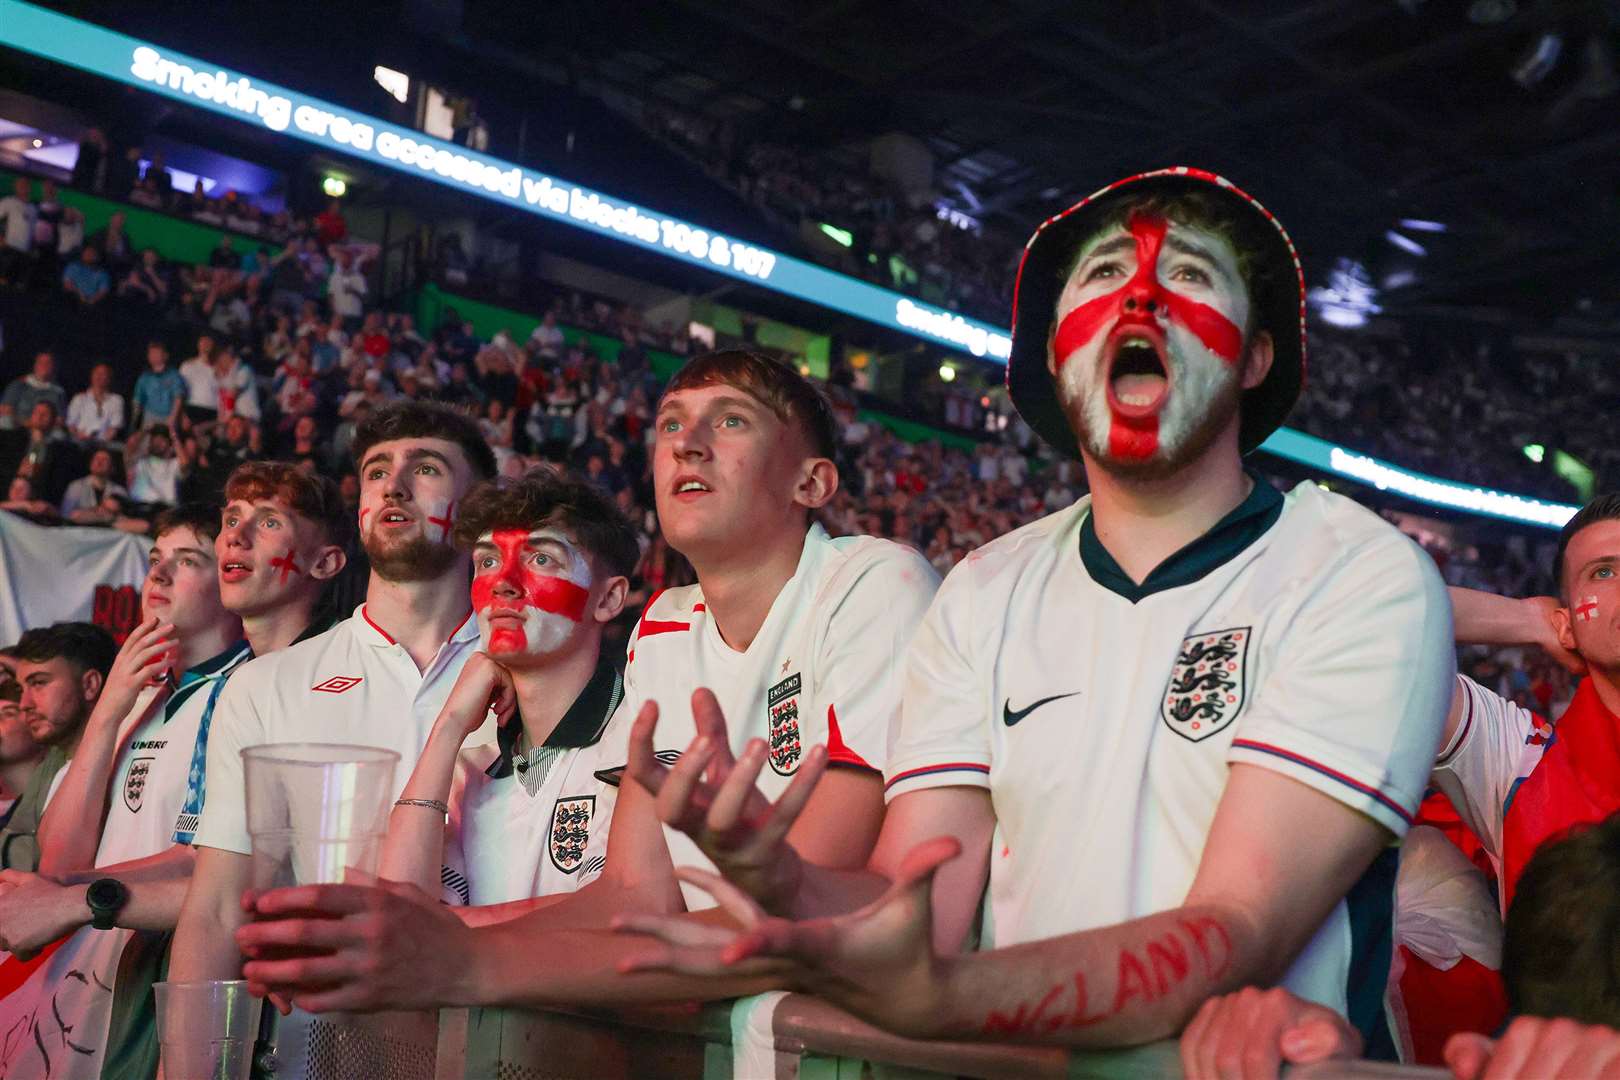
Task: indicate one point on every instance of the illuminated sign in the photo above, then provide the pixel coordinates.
(1319, 454)
(258, 101)
(116, 56)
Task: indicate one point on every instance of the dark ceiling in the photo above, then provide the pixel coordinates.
(1344, 116)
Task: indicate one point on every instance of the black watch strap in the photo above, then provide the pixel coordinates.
(106, 897)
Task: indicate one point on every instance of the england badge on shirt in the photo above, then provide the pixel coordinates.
(1206, 687)
(570, 829)
(783, 702)
(135, 783)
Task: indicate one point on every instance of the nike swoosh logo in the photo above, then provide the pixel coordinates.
(1011, 717)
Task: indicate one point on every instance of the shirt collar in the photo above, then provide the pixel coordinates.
(1245, 524)
(363, 624)
(196, 676)
(581, 725)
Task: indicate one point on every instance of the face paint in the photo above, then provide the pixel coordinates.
(1197, 343)
(1587, 609)
(549, 599)
(446, 519)
(286, 564)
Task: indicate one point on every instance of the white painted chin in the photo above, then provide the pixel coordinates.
(1197, 379)
(543, 633)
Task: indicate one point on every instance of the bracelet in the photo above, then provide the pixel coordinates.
(431, 804)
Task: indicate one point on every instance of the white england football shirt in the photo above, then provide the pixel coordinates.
(1301, 634)
(150, 780)
(535, 823)
(1495, 747)
(825, 667)
(353, 684)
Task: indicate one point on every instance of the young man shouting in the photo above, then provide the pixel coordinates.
(798, 634)
(551, 563)
(1173, 728)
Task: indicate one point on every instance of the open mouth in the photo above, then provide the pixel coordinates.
(690, 487)
(394, 517)
(234, 571)
(1138, 377)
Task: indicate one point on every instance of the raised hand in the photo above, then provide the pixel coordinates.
(149, 650)
(712, 798)
(877, 962)
(482, 685)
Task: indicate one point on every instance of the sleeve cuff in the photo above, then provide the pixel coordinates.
(918, 775)
(1379, 803)
(1459, 738)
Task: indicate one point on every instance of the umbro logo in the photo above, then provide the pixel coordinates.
(337, 684)
(1011, 716)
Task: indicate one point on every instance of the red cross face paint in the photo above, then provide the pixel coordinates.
(1587, 609)
(530, 590)
(1149, 338)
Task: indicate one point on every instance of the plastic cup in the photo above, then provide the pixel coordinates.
(207, 1029)
(316, 812)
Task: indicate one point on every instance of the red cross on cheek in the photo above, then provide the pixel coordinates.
(445, 522)
(287, 565)
(1586, 610)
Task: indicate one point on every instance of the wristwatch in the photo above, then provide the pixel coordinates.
(106, 897)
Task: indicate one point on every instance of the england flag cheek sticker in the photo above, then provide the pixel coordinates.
(1587, 609)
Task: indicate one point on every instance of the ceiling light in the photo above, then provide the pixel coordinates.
(1406, 243)
(947, 373)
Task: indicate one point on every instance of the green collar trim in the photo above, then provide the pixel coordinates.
(1247, 522)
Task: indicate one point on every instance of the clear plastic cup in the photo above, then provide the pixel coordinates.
(207, 1029)
(316, 812)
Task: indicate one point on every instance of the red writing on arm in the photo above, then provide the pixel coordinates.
(1142, 976)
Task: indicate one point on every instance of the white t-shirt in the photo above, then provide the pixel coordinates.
(353, 684)
(202, 384)
(534, 824)
(1497, 745)
(156, 480)
(825, 666)
(1301, 634)
(19, 217)
(346, 288)
(96, 420)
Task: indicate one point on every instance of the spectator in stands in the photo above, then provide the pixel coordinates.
(96, 414)
(224, 255)
(160, 392)
(48, 217)
(157, 171)
(153, 467)
(95, 498)
(202, 382)
(70, 234)
(330, 226)
(148, 193)
(22, 497)
(19, 213)
(346, 290)
(85, 279)
(124, 174)
(49, 458)
(547, 339)
(238, 383)
(20, 755)
(61, 669)
(91, 167)
(117, 250)
(25, 391)
(148, 281)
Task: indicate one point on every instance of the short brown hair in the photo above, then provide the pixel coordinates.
(1561, 947)
(1602, 508)
(1206, 211)
(424, 420)
(200, 517)
(793, 398)
(315, 498)
(543, 497)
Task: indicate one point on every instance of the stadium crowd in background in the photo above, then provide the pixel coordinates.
(261, 355)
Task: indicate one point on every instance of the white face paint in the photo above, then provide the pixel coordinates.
(530, 591)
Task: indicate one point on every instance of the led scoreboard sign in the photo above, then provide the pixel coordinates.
(196, 82)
